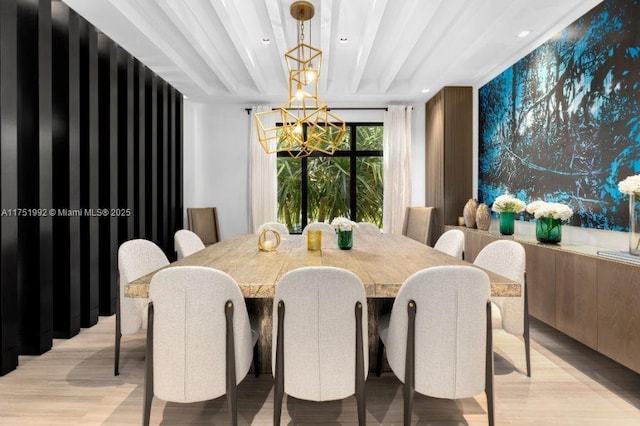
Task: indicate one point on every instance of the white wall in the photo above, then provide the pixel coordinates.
(216, 158)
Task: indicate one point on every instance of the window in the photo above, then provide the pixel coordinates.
(321, 187)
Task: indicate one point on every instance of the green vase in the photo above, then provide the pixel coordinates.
(634, 225)
(507, 220)
(548, 230)
(345, 240)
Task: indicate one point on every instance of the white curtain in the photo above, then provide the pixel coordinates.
(397, 167)
(263, 179)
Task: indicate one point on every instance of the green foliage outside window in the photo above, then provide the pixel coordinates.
(329, 189)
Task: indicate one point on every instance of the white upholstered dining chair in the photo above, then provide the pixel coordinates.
(200, 341)
(324, 227)
(320, 344)
(451, 243)
(275, 226)
(508, 258)
(136, 258)
(366, 228)
(438, 336)
(187, 243)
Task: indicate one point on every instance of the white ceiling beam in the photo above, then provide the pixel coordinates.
(409, 30)
(373, 21)
(139, 13)
(230, 17)
(326, 26)
(188, 17)
(277, 27)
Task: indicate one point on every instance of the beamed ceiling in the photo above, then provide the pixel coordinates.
(213, 50)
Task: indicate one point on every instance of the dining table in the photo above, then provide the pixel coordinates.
(382, 262)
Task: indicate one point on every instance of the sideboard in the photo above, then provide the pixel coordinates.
(592, 299)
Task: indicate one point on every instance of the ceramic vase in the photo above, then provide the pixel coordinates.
(483, 217)
(469, 213)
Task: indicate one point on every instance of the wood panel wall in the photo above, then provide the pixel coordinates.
(85, 129)
(448, 152)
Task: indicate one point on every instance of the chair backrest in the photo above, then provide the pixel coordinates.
(189, 333)
(204, 222)
(367, 228)
(417, 223)
(451, 243)
(324, 227)
(275, 226)
(320, 331)
(136, 258)
(186, 243)
(450, 330)
(507, 258)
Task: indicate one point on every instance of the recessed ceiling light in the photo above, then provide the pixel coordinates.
(344, 40)
(265, 40)
(523, 34)
(426, 90)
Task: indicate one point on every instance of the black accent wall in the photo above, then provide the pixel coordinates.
(90, 156)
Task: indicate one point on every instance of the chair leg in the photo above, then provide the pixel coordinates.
(379, 357)
(278, 392)
(409, 366)
(116, 366)
(360, 385)
(527, 345)
(232, 397)
(148, 376)
(488, 389)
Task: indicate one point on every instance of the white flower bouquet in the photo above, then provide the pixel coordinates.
(630, 186)
(507, 203)
(341, 223)
(542, 209)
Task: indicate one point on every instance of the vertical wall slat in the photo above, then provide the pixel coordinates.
(45, 156)
(142, 152)
(173, 227)
(125, 146)
(108, 152)
(163, 171)
(34, 297)
(66, 171)
(9, 187)
(89, 171)
(152, 148)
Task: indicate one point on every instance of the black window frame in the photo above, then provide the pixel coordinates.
(352, 153)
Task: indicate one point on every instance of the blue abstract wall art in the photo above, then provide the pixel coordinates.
(563, 123)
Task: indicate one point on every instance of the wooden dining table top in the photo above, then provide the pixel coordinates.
(383, 262)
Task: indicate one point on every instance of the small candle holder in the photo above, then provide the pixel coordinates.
(314, 239)
(265, 243)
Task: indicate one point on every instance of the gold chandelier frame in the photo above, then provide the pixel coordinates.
(307, 123)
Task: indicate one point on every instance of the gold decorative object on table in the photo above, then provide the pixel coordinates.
(483, 217)
(314, 239)
(265, 243)
(303, 108)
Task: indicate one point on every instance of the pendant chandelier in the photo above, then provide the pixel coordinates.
(307, 123)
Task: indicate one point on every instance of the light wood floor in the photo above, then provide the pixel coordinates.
(73, 384)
